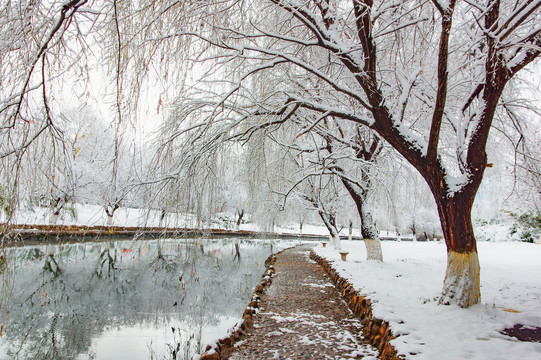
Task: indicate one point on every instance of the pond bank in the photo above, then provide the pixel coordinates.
(36, 234)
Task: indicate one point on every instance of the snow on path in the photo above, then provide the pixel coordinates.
(303, 317)
(404, 290)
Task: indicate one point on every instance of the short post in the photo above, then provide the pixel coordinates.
(324, 243)
(343, 254)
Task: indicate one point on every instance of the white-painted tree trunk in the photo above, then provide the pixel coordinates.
(53, 219)
(109, 220)
(373, 249)
(337, 243)
(370, 234)
(461, 285)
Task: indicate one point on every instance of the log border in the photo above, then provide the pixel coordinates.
(376, 331)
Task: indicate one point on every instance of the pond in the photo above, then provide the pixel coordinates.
(156, 299)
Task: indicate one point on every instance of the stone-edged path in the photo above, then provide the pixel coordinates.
(302, 317)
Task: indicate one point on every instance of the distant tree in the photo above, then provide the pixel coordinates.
(349, 153)
(320, 192)
(366, 149)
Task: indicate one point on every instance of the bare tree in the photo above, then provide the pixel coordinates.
(367, 147)
(348, 152)
(427, 83)
(320, 192)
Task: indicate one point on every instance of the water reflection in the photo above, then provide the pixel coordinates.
(157, 299)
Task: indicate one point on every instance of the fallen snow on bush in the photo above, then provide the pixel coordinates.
(404, 291)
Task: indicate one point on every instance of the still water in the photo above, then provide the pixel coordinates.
(158, 299)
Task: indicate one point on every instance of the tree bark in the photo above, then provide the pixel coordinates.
(462, 277)
(461, 284)
(162, 218)
(110, 209)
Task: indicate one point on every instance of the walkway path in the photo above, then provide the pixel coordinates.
(303, 317)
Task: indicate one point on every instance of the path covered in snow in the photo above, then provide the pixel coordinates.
(303, 317)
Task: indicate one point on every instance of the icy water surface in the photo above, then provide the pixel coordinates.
(159, 299)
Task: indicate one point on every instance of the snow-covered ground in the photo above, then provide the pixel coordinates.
(94, 215)
(404, 290)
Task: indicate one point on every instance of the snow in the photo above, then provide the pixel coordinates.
(455, 183)
(405, 288)
(94, 215)
(504, 231)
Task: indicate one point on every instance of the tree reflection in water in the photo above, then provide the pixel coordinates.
(68, 298)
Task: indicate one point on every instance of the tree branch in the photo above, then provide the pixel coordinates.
(441, 95)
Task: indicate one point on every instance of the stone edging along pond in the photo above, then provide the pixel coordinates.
(376, 331)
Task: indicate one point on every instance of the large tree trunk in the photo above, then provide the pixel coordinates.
(462, 277)
(461, 284)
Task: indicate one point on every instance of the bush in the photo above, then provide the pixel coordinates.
(530, 224)
(530, 220)
(527, 236)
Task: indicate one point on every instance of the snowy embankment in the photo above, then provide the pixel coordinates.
(404, 290)
(94, 215)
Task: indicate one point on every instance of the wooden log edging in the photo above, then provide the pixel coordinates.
(376, 331)
(223, 347)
